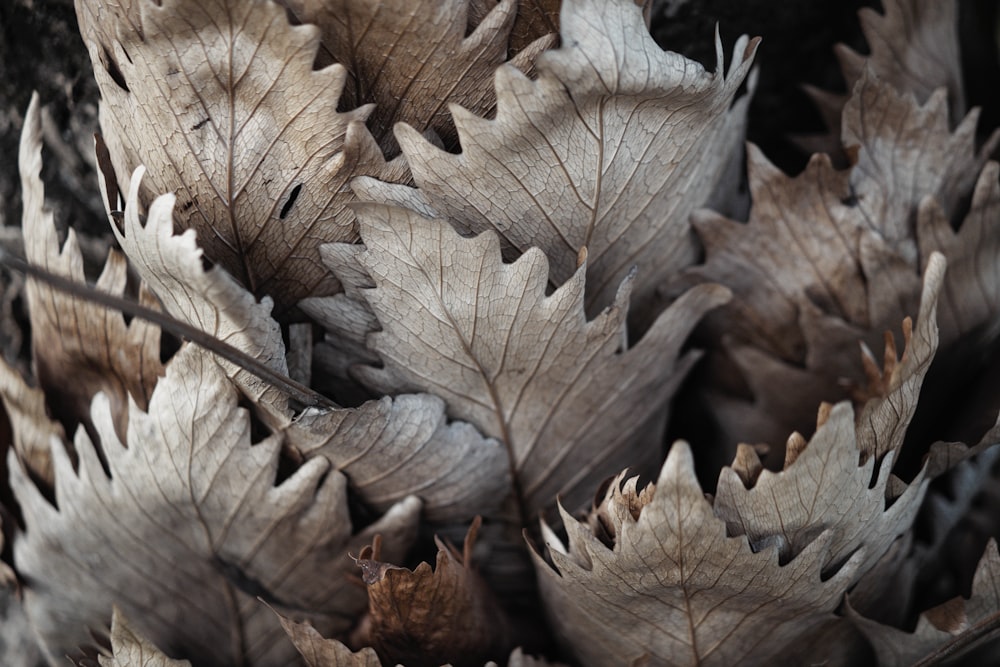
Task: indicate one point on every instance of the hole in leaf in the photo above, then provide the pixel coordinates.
(291, 201)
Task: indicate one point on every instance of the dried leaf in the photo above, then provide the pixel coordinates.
(32, 430)
(675, 590)
(71, 337)
(318, 651)
(914, 47)
(611, 148)
(535, 18)
(219, 101)
(414, 58)
(425, 617)
(504, 356)
(131, 649)
(946, 632)
(389, 448)
(195, 503)
(971, 293)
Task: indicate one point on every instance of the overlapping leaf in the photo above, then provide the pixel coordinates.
(389, 448)
(247, 134)
(611, 148)
(189, 528)
(520, 365)
(667, 574)
(414, 58)
(71, 337)
(857, 250)
(674, 589)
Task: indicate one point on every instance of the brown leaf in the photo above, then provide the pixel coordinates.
(425, 617)
(946, 632)
(611, 148)
(219, 101)
(484, 336)
(413, 58)
(131, 649)
(72, 337)
(32, 430)
(675, 590)
(535, 18)
(189, 529)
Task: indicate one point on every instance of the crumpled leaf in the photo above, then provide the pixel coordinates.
(71, 337)
(389, 449)
(483, 335)
(949, 630)
(674, 589)
(194, 502)
(611, 148)
(427, 617)
(414, 58)
(219, 101)
(131, 649)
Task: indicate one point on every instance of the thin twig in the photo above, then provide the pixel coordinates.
(183, 330)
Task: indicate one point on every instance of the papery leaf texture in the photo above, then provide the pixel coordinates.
(611, 148)
(517, 363)
(243, 130)
(187, 527)
(413, 58)
(389, 448)
(130, 649)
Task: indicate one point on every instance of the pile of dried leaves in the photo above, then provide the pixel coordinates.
(440, 262)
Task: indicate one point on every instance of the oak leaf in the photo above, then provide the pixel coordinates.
(518, 364)
(414, 58)
(189, 529)
(611, 148)
(220, 102)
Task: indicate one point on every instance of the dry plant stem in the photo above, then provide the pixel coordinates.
(296, 390)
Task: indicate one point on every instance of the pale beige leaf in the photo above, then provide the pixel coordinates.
(389, 449)
(428, 617)
(413, 58)
(72, 337)
(674, 589)
(611, 148)
(131, 649)
(946, 632)
(318, 651)
(518, 364)
(914, 47)
(907, 152)
(218, 99)
(195, 503)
